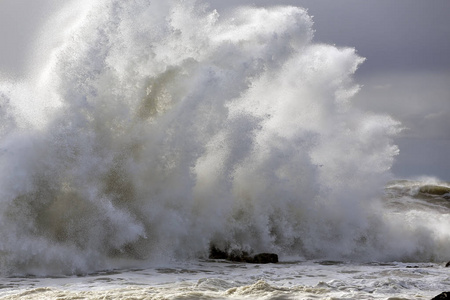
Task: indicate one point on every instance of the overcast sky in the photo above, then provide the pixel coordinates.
(406, 74)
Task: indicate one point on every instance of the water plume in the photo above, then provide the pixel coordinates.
(171, 128)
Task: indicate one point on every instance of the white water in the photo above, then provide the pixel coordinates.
(222, 280)
(156, 129)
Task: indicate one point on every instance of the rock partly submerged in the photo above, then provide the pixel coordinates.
(264, 258)
(442, 296)
(242, 256)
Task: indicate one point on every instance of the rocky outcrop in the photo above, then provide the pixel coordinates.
(216, 253)
(447, 264)
(442, 296)
(242, 256)
(264, 258)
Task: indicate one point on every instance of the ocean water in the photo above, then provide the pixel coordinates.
(226, 280)
(153, 130)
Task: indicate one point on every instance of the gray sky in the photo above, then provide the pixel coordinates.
(406, 74)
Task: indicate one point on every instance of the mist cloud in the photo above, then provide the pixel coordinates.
(406, 72)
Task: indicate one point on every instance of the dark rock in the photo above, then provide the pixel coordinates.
(239, 256)
(216, 253)
(442, 296)
(265, 258)
(242, 256)
(447, 264)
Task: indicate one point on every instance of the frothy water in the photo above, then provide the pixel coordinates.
(157, 129)
(222, 280)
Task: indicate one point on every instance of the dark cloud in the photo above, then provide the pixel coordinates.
(420, 100)
(423, 157)
(395, 35)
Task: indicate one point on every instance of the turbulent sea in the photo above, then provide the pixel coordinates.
(148, 131)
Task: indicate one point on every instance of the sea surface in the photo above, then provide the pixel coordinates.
(290, 278)
(147, 132)
(205, 279)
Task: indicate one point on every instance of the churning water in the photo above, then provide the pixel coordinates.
(159, 128)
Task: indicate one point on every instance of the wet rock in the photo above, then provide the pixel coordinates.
(447, 264)
(442, 296)
(216, 253)
(242, 256)
(239, 256)
(265, 258)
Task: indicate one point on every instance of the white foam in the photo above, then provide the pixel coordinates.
(176, 128)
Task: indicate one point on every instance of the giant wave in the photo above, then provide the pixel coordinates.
(161, 128)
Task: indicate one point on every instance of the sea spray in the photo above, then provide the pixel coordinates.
(172, 128)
